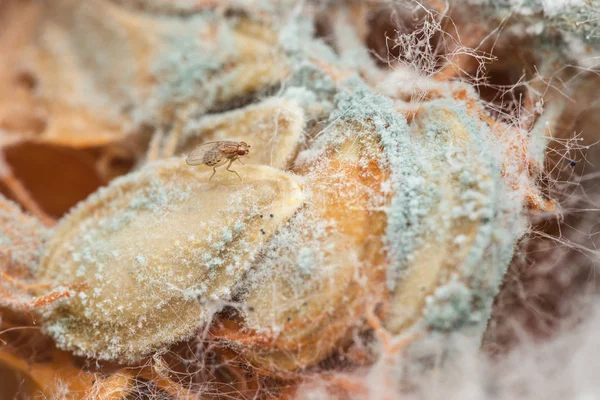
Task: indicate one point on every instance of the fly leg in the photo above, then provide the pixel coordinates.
(230, 170)
(215, 165)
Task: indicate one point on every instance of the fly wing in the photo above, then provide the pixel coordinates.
(207, 153)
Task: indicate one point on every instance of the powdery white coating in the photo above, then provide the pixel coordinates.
(188, 61)
(439, 173)
(416, 158)
(483, 209)
(578, 50)
(22, 239)
(554, 7)
(152, 251)
(444, 180)
(372, 112)
(320, 271)
(226, 61)
(308, 84)
(550, 8)
(157, 66)
(187, 7)
(555, 25)
(440, 181)
(307, 261)
(450, 307)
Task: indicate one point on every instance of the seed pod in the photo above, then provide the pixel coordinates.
(322, 270)
(159, 64)
(417, 218)
(22, 239)
(155, 253)
(461, 250)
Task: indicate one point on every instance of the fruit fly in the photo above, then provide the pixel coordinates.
(215, 154)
